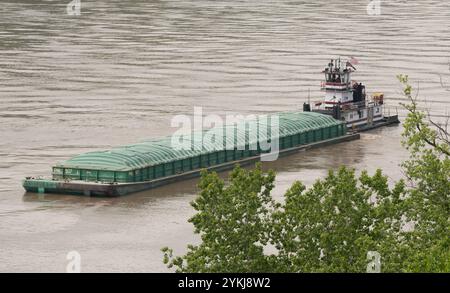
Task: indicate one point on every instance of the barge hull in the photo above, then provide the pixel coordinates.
(386, 121)
(118, 189)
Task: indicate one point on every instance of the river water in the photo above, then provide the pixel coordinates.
(121, 70)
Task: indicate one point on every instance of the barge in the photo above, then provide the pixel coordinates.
(152, 163)
(138, 167)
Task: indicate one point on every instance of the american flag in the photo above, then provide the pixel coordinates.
(353, 61)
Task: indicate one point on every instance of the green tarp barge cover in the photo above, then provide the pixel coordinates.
(156, 158)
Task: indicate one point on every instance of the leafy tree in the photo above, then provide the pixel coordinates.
(331, 226)
(428, 174)
(233, 222)
(328, 228)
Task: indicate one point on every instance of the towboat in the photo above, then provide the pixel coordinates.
(346, 99)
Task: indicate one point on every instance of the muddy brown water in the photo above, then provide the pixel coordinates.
(121, 70)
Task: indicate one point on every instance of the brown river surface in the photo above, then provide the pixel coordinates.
(119, 72)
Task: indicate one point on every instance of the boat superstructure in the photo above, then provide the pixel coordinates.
(347, 100)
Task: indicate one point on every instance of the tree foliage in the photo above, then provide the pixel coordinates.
(233, 222)
(428, 174)
(331, 226)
